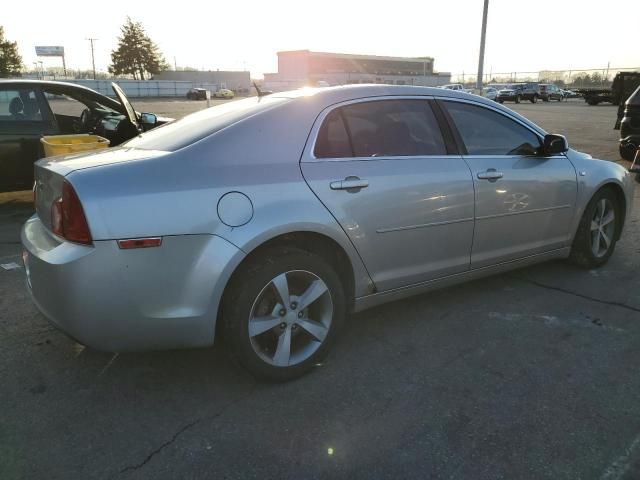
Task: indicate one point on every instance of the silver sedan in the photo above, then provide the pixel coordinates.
(272, 218)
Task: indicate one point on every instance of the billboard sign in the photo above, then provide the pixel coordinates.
(50, 51)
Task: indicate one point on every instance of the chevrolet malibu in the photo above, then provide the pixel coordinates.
(270, 219)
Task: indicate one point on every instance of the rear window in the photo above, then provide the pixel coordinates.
(176, 135)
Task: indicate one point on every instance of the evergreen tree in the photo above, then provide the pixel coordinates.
(136, 54)
(10, 59)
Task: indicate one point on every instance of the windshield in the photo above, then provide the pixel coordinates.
(176, 135)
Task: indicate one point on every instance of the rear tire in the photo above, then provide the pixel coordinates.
(270, 335)
(534, 99)
(595, 238)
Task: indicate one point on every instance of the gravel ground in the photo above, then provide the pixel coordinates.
(531, 374)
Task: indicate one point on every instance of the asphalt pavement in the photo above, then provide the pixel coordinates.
(527, 375)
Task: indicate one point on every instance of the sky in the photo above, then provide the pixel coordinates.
(522, 36)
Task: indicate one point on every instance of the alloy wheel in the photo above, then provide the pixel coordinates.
(290, 318)
(603, 224)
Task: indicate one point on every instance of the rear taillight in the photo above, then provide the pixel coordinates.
(67, 217)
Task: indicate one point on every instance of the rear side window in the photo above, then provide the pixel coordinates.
(384, 128)
(19, 106)
(486, 132)
(333, 140)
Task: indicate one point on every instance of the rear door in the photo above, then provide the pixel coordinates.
(524, 201)
(381, 167)
(21, 126)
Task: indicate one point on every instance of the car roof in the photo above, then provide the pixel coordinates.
(17, 82)
(51, 83)
(331, 95)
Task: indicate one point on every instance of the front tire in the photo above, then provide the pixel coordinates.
(534, 99)
(595, 239)
(282, 313)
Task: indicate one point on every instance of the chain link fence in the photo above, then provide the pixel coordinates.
(572, 78)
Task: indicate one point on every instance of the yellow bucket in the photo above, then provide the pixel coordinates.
(62, 144)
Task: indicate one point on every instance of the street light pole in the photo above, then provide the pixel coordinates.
(93, 60)
(482, 40)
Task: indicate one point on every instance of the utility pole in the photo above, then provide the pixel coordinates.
(93, 59)
(175, 64)
(482, 40)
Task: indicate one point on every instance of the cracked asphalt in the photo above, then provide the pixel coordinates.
(530, 374)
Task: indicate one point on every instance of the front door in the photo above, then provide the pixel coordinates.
(524, 201)
(382, 169)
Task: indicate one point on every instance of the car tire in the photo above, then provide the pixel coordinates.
(627, 152)
(259, 327)
(517, 98)
(534, 99)
(500, 101)
(590, 248)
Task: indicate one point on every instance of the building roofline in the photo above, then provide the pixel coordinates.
(358, 56)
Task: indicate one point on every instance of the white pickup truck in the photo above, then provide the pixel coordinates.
(456, 86)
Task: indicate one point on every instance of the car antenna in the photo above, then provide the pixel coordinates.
(260, 93)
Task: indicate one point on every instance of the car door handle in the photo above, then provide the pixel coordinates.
(492, 175)
(349, 183)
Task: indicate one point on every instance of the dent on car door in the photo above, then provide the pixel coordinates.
(21, 126)
(524, 201)
(382, 169)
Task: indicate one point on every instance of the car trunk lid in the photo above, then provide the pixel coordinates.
(50, 172)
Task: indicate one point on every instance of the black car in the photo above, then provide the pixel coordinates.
(549, 91)
(30, 109)
(630, 127)
(516, 92)
(197, 94)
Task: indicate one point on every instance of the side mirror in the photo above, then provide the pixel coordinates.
(554, 144)
(148, 119)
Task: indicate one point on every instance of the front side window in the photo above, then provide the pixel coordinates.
(384, 128)
(64, 105)
(19, 106)
(486, 132)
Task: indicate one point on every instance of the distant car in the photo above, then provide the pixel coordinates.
(517, 92)
(549, 91)
(197, 94)
(343, 199)
(224, 93)
(490, 93)
(30, 109)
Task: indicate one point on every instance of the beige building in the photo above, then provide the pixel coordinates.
(300, 68)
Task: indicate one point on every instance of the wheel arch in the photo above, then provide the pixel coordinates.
(312, 241)
(622, 203)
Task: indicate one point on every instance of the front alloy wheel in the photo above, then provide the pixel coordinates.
(603, 227)
(597, 232)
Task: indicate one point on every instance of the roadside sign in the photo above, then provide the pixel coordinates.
(49, 51)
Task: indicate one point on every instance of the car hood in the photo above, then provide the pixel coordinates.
(65, 164)
(506, 90)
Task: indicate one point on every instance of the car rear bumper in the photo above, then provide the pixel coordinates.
(129, 300)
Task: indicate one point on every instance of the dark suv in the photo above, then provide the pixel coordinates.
(517, 92)
(549, 91)
(630, 127)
